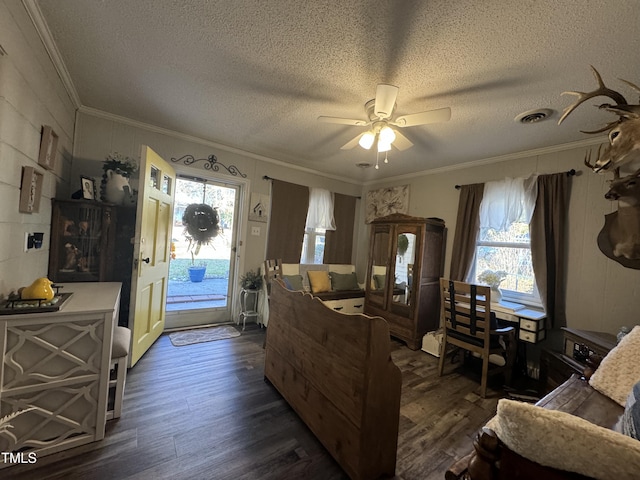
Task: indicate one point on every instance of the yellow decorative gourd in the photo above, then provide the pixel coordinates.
(41, 288)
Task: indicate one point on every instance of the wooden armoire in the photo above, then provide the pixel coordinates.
(406, 261)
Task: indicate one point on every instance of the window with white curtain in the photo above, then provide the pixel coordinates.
(319, 220)
(504, 244)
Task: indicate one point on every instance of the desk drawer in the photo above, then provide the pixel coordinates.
(531, 337)
(531, 325)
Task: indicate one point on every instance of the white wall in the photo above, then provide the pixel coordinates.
(31, 95)
(99, 134)
(601, 294)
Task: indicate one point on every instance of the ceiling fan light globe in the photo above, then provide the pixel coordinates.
(366, 140)
(387, 135)
(383, 146)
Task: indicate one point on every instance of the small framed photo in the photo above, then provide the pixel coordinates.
(48, 148)
(88, 185)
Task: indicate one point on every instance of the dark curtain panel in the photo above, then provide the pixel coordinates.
(549, 244)
(289, 205)
(339, 242)
(467, 227)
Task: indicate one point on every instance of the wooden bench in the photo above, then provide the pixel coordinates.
(336, 372)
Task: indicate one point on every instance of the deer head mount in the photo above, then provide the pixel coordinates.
(624, 133)
(619, 239)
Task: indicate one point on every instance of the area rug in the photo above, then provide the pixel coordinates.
(200, 335)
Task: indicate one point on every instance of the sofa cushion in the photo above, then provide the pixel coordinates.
(344, 281)
(319, 281)
(379, 281)
(293, 282)
(560, 440)
(619, 371)
(630, 420)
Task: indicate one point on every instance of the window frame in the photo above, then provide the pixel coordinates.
(530, 299)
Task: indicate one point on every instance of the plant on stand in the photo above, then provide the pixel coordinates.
(251, 280)
(201, 224)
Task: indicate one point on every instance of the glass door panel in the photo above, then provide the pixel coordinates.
(406, 244)
(201, 279)
(378, 279)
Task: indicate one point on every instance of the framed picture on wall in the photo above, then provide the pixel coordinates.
(48, 148)
(30, 191)
(88, 186)
(385, 201)
(259, 208)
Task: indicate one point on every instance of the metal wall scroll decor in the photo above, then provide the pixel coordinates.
(212, 164)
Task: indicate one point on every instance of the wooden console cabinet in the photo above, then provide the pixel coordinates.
(58, 363)
(406, 261)
(557, 367)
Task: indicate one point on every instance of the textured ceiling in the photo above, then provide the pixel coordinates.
(255, 75)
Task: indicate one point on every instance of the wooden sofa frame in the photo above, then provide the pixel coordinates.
(492, 460)
(336, 372)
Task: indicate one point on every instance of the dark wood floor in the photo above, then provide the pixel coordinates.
(204, 412)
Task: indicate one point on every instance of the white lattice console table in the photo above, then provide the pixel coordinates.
(58, 362)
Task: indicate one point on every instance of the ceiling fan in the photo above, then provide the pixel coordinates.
(379, 111)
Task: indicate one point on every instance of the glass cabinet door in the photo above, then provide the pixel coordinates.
(79, 242)
(379, 263)
(406, 244)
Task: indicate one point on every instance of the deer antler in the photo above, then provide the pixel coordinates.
(587, 158)
(602, 90)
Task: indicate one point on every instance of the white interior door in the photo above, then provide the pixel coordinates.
(151, 252)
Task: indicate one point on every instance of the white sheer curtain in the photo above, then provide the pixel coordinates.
(320, 214)
(507, 201)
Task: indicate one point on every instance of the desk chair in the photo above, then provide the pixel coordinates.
(469, 324)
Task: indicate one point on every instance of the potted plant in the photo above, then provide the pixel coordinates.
(201, 224)
(251, 280)
(403, 244)
(493, 279)
(115, 187)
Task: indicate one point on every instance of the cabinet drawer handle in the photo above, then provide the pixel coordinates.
(338, 308)
(357, 306)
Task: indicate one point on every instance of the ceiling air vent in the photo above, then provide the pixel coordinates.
(533, 116)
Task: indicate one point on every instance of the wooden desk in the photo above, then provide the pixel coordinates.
(531, 324)
(58, 362)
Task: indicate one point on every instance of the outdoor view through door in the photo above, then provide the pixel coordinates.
(187, 290)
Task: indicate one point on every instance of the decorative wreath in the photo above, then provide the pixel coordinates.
(201, 224)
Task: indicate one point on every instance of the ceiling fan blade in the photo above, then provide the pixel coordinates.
(385, 100)
(351, 143)
(344, 121)
(423, 118)
(401, 142)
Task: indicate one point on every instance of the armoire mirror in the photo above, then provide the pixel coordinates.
(404, 259)
(379, 261)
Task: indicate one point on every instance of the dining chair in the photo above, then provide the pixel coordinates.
(272, 270)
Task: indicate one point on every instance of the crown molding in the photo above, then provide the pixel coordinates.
(52, 49)
(501, 158)
(190, 138)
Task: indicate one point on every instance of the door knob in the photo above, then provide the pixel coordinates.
(146, 260)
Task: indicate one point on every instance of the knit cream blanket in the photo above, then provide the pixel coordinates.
(566, 442)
